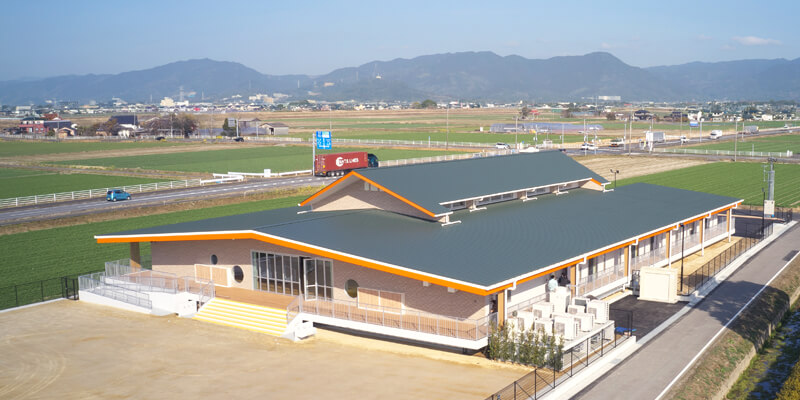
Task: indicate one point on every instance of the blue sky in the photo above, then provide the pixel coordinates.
(49, 38)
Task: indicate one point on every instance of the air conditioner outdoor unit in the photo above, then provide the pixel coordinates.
(542, 310)
(580, 301)
(560, 299)
(544, 324)
(515, 324)
(526, 318)
(576, 309)
(599, 309)
(585, 320)
(566, 327)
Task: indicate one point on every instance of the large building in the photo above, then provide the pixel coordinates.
(437, 252)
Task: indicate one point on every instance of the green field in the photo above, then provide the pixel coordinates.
(56, 252)
(769, 143)
(250, 159)
(25, 182)
(14, 148)
(742, 180)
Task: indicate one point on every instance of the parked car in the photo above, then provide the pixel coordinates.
(589, 146)
(117, 194)
(503, 146)
(684, 139)
(238, 139)
(617, 142)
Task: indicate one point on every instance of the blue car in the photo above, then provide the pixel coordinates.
(117, 194)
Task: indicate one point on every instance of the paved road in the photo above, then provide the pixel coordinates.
(35, 213)
(648, 371)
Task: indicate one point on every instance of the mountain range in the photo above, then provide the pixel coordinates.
(473, 76)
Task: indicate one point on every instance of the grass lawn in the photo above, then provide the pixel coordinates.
(14, 148)
(742, 180)
(56, 252)
(22, 182)
(251, 159)
(768, 143)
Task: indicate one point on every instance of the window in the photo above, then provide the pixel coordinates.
(351, 287)
(238, 274)
(457, 205)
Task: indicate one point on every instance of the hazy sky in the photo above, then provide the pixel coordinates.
(48, 38)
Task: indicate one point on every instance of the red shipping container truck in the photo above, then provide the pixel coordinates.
(339, 164)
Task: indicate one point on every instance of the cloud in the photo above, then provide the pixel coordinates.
(606, 46)
(754, 41)
(728, 47)
(704, 37)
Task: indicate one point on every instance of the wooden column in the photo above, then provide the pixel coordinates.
(573, 277)
(501, 308)
(136, 257)
(728, 218)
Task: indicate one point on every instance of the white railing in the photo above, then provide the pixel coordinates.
(715, 231)
(428, 143)
(787, 153)
(417, 321)
(93, 193)
(99, 284)
(525, 305)
(649, 259)
(592, 282)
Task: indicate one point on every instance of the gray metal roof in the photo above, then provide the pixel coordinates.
(428, 185)
(488, 247)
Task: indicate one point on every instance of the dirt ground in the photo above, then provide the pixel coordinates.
(632, 166)
(72, 350)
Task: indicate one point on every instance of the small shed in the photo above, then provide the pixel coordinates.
(275, 128)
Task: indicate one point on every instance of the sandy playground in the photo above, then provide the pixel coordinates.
(73, 350)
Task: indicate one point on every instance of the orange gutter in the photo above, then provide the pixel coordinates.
(325, 189)
(310, 250)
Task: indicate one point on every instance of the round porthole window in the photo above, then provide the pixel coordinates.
(351, 287)
(238, 274)
(214, 259)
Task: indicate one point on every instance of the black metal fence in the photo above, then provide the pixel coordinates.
(541, 381)
(39, 291)
(691, 282)
(784, 214)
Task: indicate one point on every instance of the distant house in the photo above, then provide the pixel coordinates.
(57, 124)
(275, 128)
(62, 133)
(32, 125)
(126, 120)
(248, 123)
(642, 115)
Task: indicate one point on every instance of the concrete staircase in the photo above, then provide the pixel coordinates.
(271, 321)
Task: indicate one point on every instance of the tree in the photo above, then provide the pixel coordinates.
(428, 103)
(228, 130)
(110, 127)
(415, 105)
(611, 116)
(524, 112)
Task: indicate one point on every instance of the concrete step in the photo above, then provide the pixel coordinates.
(251, 317)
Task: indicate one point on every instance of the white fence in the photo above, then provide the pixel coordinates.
(92, 193)
(450, 157)
(787, 153)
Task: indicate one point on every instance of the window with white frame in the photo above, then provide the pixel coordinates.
(381, 300)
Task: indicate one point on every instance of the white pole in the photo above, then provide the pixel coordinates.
(313, 152)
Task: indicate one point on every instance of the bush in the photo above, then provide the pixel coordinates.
(529, 347)
(791, 387)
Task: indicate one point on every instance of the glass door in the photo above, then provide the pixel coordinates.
(318, 279)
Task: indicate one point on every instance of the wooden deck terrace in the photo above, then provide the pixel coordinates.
(256, 297)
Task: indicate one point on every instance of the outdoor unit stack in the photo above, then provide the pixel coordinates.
(560, 299)
(566, 327)
(525, 319)
(573, 309)
(543, 324)
(599, 309)
(580, 301)
(542, 310)
(585, 320)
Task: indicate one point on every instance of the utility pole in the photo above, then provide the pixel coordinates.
(447, 132)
